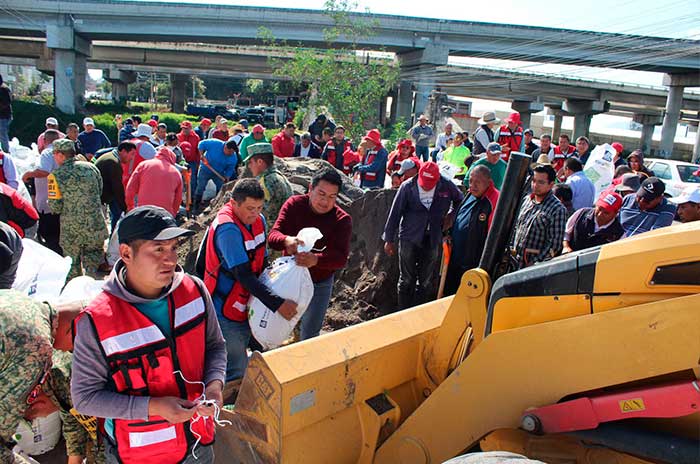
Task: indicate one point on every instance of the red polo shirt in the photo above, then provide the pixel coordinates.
(193, 139)
(283, 145)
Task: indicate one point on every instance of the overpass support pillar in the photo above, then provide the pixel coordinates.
(648, 122)
(423, 91)
(404, 102)
(558, 119)
(583, 111)
(120, 81)
(676, 84)
(177, 93)
(421, 62)
(526, 108)
(70, 65)
(394, 94)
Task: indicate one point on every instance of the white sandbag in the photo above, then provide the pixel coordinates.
(112, 254)
(600, 168)
(81, 288)
(289, 281)
(209, 191)
(41, 273)
(41, 437)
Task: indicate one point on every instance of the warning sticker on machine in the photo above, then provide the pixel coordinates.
(631, 405)
(302, 401)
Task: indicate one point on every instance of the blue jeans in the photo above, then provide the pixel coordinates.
(194, 170)
(422, 153)
(115, 212)
(312, 320)
(237, 336)
(203, 177)
(434, 153)
(5, 134)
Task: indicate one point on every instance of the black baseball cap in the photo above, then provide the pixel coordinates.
(651, 188)
(149, 223)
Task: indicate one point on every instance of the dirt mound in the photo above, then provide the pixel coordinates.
(366, 287)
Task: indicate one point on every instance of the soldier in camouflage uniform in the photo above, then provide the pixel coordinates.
(277, 188)
(75, 189)
(34, 375)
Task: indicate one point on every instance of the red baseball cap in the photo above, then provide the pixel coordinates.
(514, 118)
(186, 148)
(205, 122)
(374, 136)
(186, 124)
(610, 202)
(258, 129)
(428, 175)
(618, 147)
(153, 123)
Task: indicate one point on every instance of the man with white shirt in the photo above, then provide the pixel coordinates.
(49, 230)
(423, 207)
(306, 148)
(442, 141)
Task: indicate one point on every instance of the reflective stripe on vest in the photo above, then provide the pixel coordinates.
(236, 302)
(142, 362)
(368, 160)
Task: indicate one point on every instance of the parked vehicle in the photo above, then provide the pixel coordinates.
(212, 111)
(677, 175)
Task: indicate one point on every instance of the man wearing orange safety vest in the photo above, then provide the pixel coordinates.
(234, 252)
(148, 350)
(510, 136)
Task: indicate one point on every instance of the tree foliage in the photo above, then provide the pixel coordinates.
(347, 82)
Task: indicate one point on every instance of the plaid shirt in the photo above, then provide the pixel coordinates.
(539, 231)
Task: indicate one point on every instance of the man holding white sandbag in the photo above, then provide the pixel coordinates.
(235, 256)
(316, 209)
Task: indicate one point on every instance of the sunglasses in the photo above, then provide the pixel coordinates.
(34, 394)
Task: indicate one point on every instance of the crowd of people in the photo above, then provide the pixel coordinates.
(159, 349)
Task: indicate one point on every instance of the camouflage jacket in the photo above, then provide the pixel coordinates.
(277, 189)
(26, 348)
(75, 190)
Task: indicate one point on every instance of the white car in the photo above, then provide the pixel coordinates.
(677, 175)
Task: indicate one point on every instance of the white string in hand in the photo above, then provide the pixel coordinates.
(196, 417)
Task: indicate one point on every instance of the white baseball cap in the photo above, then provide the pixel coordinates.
(689, 194)
(88, 122)
(144, 130)
(406, 165)
(52, 121)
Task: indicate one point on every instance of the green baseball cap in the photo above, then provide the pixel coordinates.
(258, 149)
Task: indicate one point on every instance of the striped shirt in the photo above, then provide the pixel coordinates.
(635, 221)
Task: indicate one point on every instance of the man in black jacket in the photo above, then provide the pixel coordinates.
(589, 227)
(306, 148)
(471, 226)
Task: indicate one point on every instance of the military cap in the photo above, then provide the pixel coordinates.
(65, 146)
(258, 149)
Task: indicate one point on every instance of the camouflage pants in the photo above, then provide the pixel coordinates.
(90, 256)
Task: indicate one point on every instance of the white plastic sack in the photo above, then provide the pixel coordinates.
(600, 168)
(81, 288)
(41, 437)
(448, 170)
(41, 273)
(289, 281)
(112, 254)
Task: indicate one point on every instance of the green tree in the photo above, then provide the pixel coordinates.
(345, 81)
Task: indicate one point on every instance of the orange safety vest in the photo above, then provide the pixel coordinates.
(142, 362)
(367, 160)
(236, 302)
